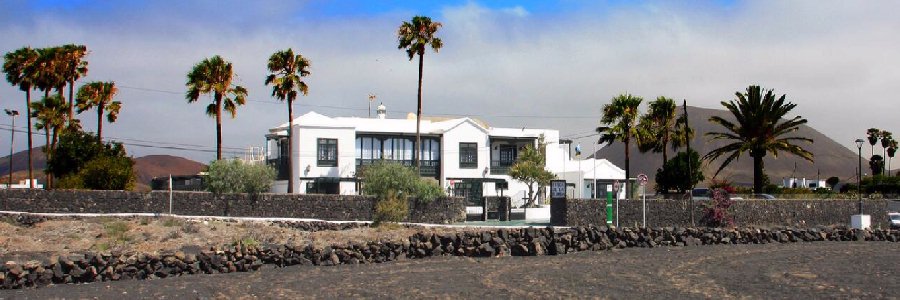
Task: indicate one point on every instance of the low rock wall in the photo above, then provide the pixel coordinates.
(94, 267)
(804, 213)
(325, 207)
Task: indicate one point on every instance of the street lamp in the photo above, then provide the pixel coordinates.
(12, 138)
(859, 144)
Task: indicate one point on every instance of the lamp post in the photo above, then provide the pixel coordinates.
(859, 144)
(12, 138)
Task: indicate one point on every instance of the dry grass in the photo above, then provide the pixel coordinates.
(147, 234)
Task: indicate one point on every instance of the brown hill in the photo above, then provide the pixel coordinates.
(146, 167)
(831, 158)
(162, 165)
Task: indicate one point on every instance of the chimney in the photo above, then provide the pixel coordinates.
(382, 111)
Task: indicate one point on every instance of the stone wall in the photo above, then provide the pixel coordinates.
(325, 207)
(113, 266)
(804, 213)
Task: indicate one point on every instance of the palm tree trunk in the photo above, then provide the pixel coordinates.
(72, 103)
(28, 117)
(218, 126)
(290, 189)
(100, 123)
(48, 148)
(627, 184)
(665, 148)
(757, 174)
(419, 117)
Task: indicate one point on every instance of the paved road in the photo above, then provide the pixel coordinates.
(807, 270)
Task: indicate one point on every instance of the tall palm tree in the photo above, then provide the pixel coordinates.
(286, 78)
(51, 115)
(414, 36)
(891, 150)
(21, 70)
(872, 135)
(758, 129)
(213, 76)
(886, 138)
(661, 127)
(620, 118)
(50, 71)
(100, 95)
(73, 68)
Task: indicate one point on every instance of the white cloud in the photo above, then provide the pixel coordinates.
(837, 61)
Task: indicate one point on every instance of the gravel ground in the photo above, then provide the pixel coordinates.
(775, 271)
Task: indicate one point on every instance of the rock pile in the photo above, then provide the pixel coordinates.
(93, 267)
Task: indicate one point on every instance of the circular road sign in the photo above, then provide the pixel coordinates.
(643, 179)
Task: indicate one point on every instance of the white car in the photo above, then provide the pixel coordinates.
(895, 219)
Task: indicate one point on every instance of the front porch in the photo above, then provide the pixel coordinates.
(505, 151)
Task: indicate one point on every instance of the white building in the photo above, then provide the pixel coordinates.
(466, 156)
(803, 183)
(23, 184)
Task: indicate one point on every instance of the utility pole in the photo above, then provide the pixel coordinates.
(12, 140)
(371, 99)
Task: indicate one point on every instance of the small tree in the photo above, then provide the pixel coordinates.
(832, 181)
(234, 176)
(674, 173)
(81, 163)
(876, 164)
(392, 184)
(529, 169)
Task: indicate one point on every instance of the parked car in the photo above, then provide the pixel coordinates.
(762, 197)
(700, 194)
(895, 219)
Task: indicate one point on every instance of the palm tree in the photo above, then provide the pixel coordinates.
(286, 78)
(891, 150)
(50, 67)
(74, 67)
(100, 95)
(414, 36)
(51, 115)
(759, 129)
(886, 138)
(213, 75)
(621, 116)
(873, 134)
(660, 127)
(21, 70)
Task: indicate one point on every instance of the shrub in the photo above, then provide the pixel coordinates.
(392, 208)
(718, 212)
(382, 178)
(392, 184)
(233, 176)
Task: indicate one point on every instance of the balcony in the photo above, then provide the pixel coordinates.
(427, 168)
(501, 167)
(281, 166)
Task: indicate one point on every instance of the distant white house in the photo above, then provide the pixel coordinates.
(23, 184)
(803, 183)
(466, 156)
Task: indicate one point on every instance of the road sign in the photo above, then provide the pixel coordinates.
(642, 178)
(557, 189)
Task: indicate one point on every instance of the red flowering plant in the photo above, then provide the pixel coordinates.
(718, 212)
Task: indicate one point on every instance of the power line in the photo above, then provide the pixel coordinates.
(393, 111)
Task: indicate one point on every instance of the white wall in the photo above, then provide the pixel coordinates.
(464, 133)
(306, 154)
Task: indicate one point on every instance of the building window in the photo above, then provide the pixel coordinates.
(468, 155)
(508, 154)
(328, 153)
(431, 150)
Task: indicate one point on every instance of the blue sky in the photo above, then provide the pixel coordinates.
(539, 64)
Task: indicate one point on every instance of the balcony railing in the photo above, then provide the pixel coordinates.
(427, 168)
(501, 167)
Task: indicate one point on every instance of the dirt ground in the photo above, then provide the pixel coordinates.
(821, 270)
(155, 234)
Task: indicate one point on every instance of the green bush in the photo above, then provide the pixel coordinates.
(108, 173)
(382, 178)
(392, 208)
(233, 176)
(392, 184)
(80, 162)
